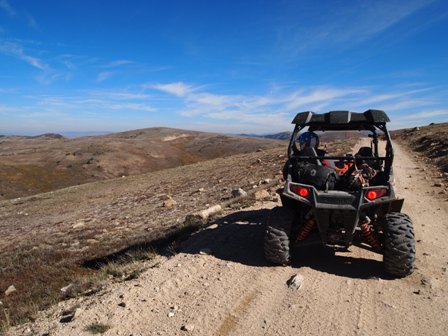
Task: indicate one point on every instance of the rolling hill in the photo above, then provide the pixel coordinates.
(31, 165)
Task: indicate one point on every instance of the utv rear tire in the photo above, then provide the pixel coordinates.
(399, 244)
(277, 235)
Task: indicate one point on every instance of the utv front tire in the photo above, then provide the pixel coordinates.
(277, 235)
(399, 244)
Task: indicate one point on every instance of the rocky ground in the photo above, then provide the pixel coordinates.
(217, 282)
(47, 239)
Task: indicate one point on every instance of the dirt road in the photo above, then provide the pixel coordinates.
(219, 284)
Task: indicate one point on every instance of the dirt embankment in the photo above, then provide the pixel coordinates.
(219, 283)
(430, 142)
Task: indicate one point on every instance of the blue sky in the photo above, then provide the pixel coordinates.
(229, 66)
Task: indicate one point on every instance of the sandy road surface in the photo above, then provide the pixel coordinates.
(219, 284)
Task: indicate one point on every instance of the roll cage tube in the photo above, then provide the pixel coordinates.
(389, 149)
(292, 148)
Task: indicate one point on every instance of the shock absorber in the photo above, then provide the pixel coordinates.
(368, 233)
(309, 224)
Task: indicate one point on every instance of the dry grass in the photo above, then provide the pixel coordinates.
(39, 277)
(26, 179)
(5, 321)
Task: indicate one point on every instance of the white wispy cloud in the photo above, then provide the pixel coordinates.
(31, 21)
(17, 51)
(403, 105)
(46, 75)
(118, 95)
(392, 96)
(101, 101)
(426, 117)
(117, 63)
(4, 4)
(43, 114)
(8, 90)
(179, 89)
(131, 106)
(318, 95)
(373, 17)
(102, 76)
(5, 109)
(211, 99)
(426, 114)
(351, 24)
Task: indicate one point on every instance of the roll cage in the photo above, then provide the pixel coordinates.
(371, 121)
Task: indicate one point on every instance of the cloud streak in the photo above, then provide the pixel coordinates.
(354, 23)
(4, 4)
(102, 76)
(178, 89)
(117, 63)
(426, 114)
(101, 101)
(17, 51)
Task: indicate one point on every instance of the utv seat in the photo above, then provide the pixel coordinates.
(367, 152)
(312, 153)
(309, 169)
(298, 160)
(381, 177)
(364, 151)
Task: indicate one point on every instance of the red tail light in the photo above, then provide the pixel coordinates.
(373, 194)
(301, 191)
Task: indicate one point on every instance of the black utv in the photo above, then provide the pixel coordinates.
(341, 199)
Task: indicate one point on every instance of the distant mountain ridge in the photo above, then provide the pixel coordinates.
(42, 136)
(276, 136)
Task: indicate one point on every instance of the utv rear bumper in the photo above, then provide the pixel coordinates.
(338, 213)
(342, 200)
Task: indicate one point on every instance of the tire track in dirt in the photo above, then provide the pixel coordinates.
(267, 297)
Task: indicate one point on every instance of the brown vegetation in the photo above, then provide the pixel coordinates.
(31, 165)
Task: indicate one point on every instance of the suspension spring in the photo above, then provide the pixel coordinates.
(309, 224)
(369, 235)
